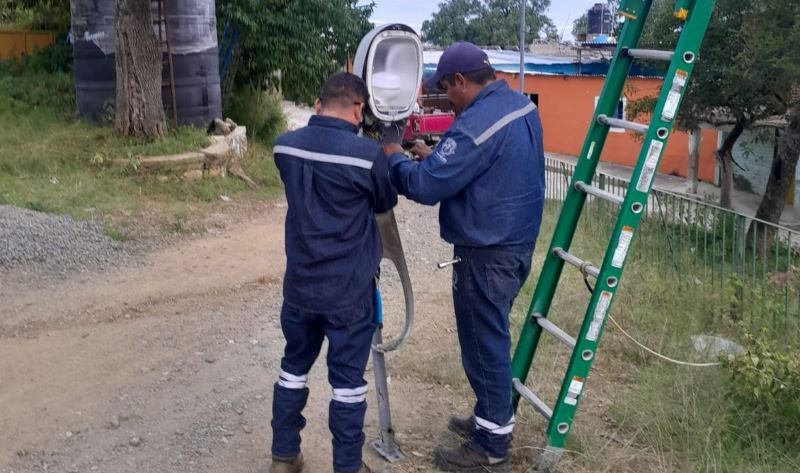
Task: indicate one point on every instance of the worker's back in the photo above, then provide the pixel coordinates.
(335, 181)
(503, 203)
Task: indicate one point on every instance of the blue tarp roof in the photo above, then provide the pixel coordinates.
(601, 39)
(508, 61)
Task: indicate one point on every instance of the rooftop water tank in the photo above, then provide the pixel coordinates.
(599, 20)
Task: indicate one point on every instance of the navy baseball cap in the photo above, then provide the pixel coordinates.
(461, 57)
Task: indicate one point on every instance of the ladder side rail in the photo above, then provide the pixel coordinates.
(573, 204)
(628, 221)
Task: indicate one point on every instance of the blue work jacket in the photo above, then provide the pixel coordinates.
(335, 181)
(487, 172)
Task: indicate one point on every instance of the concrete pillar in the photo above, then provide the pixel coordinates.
(695, 139)
(721, 136)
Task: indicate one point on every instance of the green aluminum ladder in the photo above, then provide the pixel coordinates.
(695, 16)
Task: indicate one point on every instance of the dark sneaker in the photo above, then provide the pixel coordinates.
(364, 469)
(466, 459)
(462, 425)
(287, 464)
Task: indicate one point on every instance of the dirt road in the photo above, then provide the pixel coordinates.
(168, 366)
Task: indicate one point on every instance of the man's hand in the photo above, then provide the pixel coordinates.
(392, 148)
(392, 133)
(421, 149)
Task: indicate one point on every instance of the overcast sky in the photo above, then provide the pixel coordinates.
(414, 12)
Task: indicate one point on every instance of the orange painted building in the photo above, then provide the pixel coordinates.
(566, 105)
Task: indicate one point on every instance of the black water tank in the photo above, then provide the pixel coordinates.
(193, 38)
(599, 20)
(93, 38)
(195, 59)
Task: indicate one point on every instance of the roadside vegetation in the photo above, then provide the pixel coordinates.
(640, 413)
(52, 162)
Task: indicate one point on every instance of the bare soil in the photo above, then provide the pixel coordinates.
(168, 365)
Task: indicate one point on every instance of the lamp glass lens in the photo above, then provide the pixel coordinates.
(395, 70)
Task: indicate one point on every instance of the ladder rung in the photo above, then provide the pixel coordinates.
(555, 331)
(537, 403)
(649, 54)
(591, 190)
(617, 123)
(585, 267)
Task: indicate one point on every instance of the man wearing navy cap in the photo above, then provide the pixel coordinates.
(488, 174)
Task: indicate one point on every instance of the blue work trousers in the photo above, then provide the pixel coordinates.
(349, 336)
(485, 283)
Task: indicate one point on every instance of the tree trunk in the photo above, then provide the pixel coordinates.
(695, 137)
(781, 178)
(139, 109)
(725, 157)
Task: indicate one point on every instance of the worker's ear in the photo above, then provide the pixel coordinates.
(358, 111)
(459, 81)
(317, 106)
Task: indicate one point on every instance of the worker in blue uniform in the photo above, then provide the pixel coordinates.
(487, 174)
(335, 181)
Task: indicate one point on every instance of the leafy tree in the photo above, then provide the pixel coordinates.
(456, 20)
(580, 25)
(743, 73)
(500, 23)
(487, 23)
(550, 32)
(779, 29)
(294, 44)
(782, 176)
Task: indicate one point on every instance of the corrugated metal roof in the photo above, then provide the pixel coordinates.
(500, 57)
(508, 61)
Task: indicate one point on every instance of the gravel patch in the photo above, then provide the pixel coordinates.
(42, 244)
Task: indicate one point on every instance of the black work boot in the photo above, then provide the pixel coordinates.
(462, 425)
(466, 459)
(287, 464)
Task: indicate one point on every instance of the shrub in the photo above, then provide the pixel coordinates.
(39, 80)
(54, 92)
(54, 58)
(35, 14)
(261, 112)
(764, 386)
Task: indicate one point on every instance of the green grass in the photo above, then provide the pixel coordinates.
(63, 168)
(639, 413)
(52, 163)
(39, 15)
(54, 166)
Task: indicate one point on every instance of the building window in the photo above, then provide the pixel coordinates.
(621, 108)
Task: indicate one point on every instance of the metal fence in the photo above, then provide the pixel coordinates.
(746, 269)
